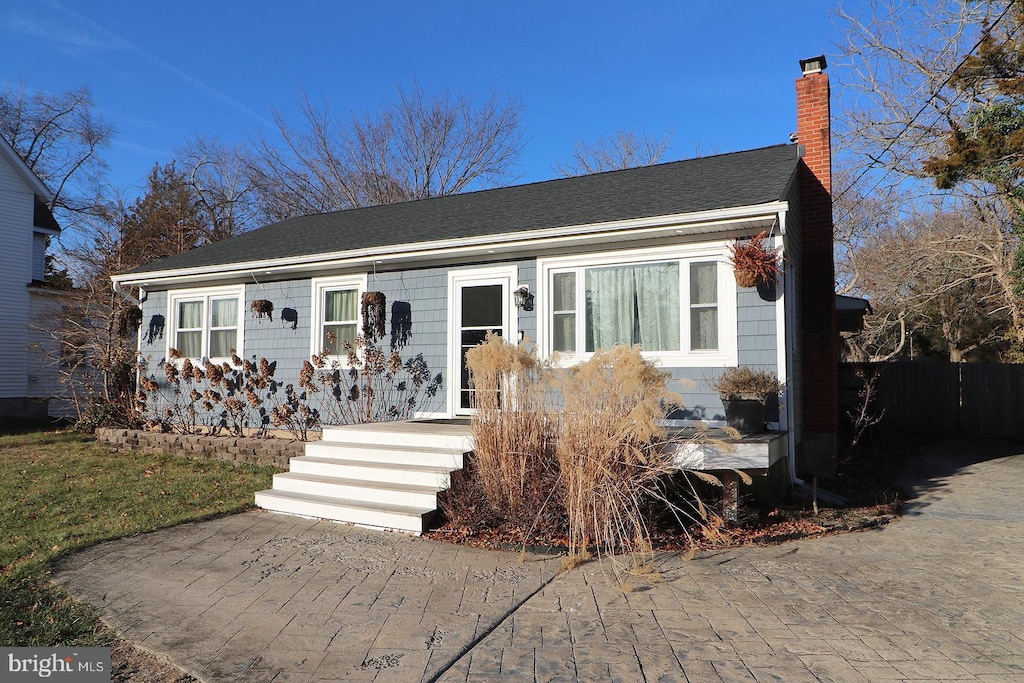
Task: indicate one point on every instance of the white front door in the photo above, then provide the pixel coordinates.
(479, 301)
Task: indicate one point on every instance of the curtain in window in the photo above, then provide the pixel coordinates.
(657, 287)
(339, 307)
(633, 305)
(225, 312)
(564, 317)
(224, 327)
(190, 315)
(703, 306)
(189, 340)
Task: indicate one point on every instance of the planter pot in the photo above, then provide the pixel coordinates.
(745, 415)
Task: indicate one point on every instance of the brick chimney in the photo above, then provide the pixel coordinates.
(819, 338)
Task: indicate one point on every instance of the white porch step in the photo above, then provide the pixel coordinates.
(389, 492)
(398, 454)
(454, 438)
(381, 475)
(364, 513)
(374, 471)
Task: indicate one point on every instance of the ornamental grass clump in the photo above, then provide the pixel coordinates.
(609, 448)
(578, 454)
(513, 445)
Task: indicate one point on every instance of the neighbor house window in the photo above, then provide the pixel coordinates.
(207, 323)
(336, 313)
(670, 305)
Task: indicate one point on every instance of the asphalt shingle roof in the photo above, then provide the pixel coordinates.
(717, 182)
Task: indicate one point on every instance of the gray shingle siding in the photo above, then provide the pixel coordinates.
(426, 291)
(528, 276)
(288, 343)
(278, 339)
(155, 326)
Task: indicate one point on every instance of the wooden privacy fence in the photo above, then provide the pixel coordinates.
(946, 399)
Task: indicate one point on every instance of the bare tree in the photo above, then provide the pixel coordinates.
(61, 138)
(624, 149)
(97, 333)
(923, 119)
(419, 146)
(896, 101)
(218, 178)
(935, 277)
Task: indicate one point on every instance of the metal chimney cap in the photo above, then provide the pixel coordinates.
(813, 65)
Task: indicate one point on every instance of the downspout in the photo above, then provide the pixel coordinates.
(138, 334)
(790, 333)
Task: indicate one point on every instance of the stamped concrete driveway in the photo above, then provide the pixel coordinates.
(937, 595)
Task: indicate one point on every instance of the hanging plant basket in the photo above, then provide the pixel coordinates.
(128, 320)
(754, 262)
(374, 312)
(261, 308)
(746, 278)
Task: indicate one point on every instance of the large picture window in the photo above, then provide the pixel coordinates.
(672, 306)
(336, 313)
(207, 323)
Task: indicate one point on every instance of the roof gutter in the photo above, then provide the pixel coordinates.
(120, 291)
(718, 220)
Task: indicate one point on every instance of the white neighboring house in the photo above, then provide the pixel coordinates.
(28, 377)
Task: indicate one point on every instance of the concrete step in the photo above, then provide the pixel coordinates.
(406, 518)
(448, 437)
(392, 454)
(411, 495)
(374, 471)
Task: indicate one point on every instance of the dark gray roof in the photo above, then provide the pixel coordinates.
(717, 182)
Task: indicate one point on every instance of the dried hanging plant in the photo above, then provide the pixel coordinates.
(374, 312)
(753, 261)
(128, 320)
(262, 308)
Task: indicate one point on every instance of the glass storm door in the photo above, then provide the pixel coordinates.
(481, 304)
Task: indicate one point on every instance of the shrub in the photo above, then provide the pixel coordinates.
(244, 396)
(374, 386)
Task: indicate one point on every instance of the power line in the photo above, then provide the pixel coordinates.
(906, 127)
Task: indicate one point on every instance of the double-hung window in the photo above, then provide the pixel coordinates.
(207, 323)
(677, 304)
(335, 307)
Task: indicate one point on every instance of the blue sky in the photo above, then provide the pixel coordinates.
(719, 75)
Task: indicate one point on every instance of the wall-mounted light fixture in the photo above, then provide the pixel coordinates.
(523, 298)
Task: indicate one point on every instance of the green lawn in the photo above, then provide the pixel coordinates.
(60, 492)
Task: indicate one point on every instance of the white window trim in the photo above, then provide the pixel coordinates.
(206, 294)
(319, 286)
(726, 355)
